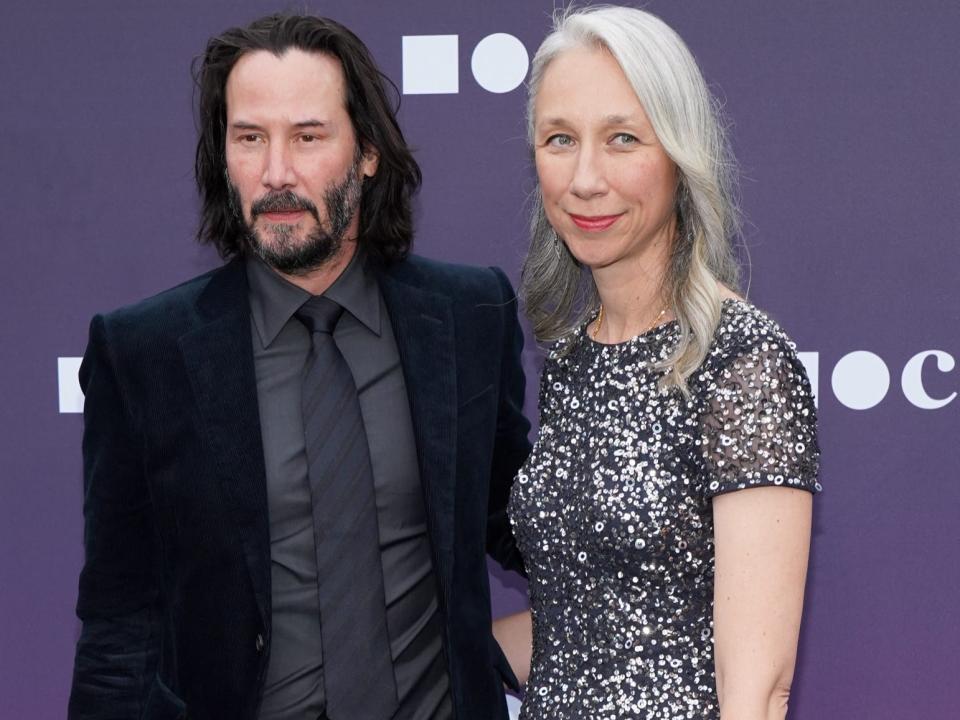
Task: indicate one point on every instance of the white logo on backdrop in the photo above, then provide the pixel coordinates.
(912, 379)
(71, 397)
(431, 64)
(860, 380)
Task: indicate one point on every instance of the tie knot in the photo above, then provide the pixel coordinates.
(319, 314)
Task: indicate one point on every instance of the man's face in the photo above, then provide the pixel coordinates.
(293, 162)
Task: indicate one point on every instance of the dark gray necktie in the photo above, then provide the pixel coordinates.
(357, 668)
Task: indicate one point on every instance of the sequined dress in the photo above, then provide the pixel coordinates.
(612, 510)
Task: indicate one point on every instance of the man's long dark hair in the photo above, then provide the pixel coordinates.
(386, 224)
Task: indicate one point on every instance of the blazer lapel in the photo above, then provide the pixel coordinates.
(423, 325)
(218, 355)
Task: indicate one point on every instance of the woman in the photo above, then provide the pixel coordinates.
(664, 514)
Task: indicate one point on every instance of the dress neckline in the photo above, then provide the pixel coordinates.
(653, 333)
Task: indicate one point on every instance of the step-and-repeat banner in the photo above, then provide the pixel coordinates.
(844, 120)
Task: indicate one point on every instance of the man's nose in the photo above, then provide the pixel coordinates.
(278, 172)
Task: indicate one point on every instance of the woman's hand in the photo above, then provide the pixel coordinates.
(514, 633)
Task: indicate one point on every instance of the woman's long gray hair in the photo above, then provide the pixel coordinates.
(558, 293)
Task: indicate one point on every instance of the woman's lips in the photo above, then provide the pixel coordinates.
(594, 223)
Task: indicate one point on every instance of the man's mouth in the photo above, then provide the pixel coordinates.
(283, 216)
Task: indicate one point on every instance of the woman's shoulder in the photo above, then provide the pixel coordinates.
(744, 328)
(749, 346)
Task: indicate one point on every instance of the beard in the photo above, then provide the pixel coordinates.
(286, 252)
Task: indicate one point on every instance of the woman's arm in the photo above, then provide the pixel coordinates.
(514, 633)
(762, 540)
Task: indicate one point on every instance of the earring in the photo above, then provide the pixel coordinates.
(556, 244)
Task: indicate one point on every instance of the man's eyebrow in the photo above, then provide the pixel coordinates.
(309, 123)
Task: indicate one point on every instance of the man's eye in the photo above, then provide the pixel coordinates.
(559, 140)
(308, 138)
(249, 139)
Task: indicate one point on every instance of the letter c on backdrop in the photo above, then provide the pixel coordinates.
(912, 379)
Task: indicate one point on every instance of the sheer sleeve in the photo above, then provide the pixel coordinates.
(759, 425)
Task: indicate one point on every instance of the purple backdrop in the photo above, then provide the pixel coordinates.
(845, 117)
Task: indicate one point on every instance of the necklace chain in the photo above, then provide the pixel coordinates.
(596, 329)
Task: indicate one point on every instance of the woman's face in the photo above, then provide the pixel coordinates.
(608, 185)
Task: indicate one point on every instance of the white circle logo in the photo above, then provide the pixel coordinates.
(499, 63)
(860, 380)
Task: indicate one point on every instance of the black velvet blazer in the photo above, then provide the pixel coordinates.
(175, 590)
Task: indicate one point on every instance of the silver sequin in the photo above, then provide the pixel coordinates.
(613, 510)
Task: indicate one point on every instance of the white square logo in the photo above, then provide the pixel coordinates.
(71, 397)
(431, 64)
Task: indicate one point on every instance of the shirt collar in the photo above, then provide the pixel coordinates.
(274, 300)
(357, 292)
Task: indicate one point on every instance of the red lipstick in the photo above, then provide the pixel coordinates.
(594, 223)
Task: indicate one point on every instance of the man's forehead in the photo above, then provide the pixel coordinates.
(289, 75)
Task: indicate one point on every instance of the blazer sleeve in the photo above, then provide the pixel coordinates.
(511, 445)
(117, 650)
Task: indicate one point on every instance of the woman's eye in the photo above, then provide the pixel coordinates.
(624, 139)
(559, 140)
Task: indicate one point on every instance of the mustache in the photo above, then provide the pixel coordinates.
(283, 201)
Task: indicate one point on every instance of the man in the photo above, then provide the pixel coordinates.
(295, 463)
